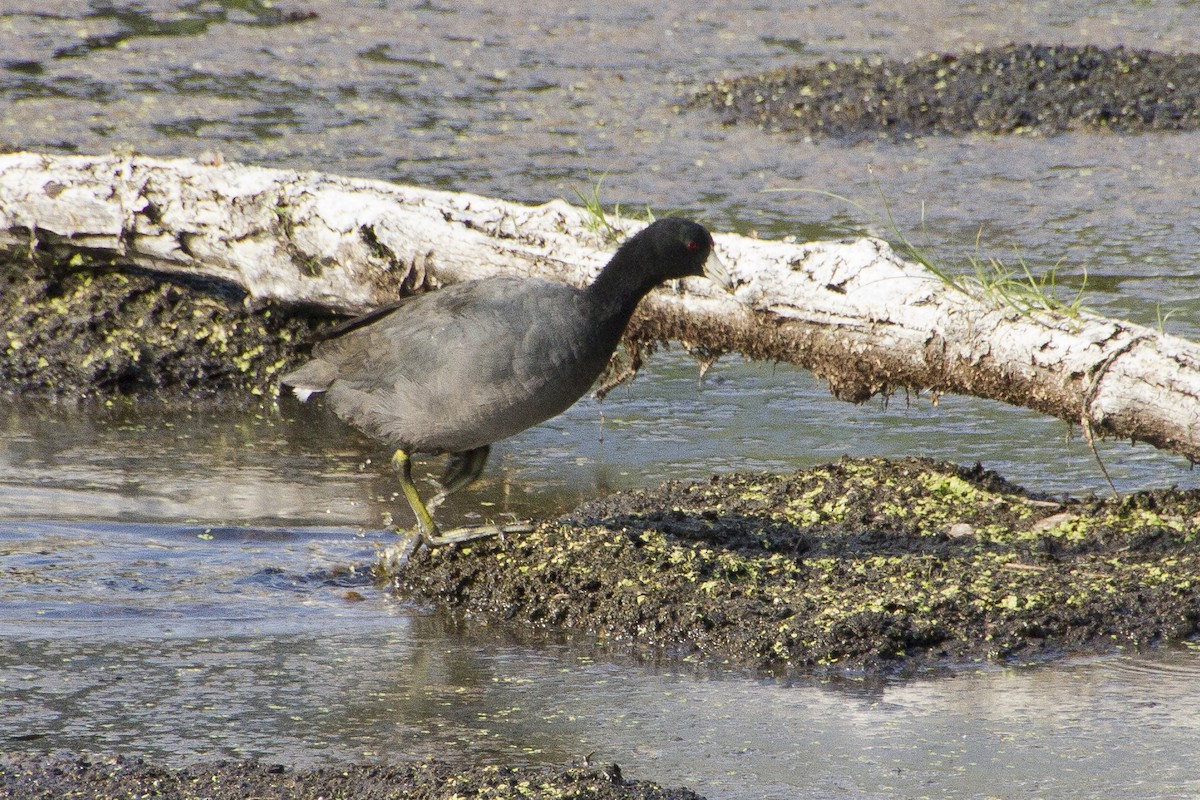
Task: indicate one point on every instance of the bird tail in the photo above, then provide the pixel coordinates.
(311, 378)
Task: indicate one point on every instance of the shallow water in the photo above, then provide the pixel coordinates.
(166, 573)
(187, 643)
(170, 590)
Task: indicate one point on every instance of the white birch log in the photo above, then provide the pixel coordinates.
(853, 312)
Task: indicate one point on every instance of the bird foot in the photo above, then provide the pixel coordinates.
(470, 533)
(394, 556)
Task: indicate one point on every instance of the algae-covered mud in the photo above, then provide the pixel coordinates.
(78, 777)
(69, 331)
(1009, 89)
(867, 564)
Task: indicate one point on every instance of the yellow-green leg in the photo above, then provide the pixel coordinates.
(428, 534)
(426, 527)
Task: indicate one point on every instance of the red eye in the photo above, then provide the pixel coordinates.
(692, 245)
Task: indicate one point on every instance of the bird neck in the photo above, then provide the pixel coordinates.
(622, 283)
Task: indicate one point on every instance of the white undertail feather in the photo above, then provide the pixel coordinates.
(304, 393)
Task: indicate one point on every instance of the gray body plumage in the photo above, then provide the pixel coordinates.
(465, 366)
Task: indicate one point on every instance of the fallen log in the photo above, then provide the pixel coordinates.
(852, 312)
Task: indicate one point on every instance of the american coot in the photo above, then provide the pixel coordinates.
(454, 370)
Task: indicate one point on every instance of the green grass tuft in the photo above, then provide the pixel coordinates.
(989, 279)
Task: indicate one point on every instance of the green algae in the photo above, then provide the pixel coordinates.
(101, 333)
(868, 564)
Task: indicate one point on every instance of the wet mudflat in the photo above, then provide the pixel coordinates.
(876, 566)
(1025, 88)
(79, 334)
(117, 777)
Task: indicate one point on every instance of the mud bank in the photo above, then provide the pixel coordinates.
(890, 567)
(96, 334)
(1017, 88)
(29, 777)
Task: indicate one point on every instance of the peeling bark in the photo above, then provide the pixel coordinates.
(853, 312)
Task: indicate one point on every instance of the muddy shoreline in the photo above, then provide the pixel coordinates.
(869, 565)
(93, 778)
(1033, 89)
